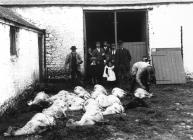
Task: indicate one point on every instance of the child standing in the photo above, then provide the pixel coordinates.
(109, 74)
(93, 70)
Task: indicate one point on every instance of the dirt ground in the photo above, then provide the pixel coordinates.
(168, 117)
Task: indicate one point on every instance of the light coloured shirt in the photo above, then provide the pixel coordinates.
(137, 69)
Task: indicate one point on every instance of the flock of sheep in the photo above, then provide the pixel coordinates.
(95, 105)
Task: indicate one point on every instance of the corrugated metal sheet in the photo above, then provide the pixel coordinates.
(168, 65)
(136, 49)
(11, 16)
(88, 2)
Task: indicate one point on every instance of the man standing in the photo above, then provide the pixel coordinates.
(74, 60)
(99, 54)
(113, 52)
(122, 62)
(106, 47)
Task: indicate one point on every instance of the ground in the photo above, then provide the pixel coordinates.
(168, 117)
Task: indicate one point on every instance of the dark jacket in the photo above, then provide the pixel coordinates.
(68, 63)
(122, 56)
(99, 55)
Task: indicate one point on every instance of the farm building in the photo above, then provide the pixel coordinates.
(147, 28)
(143, 26)
(19, 58)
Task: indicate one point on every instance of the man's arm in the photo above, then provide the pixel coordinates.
(128, 55)
(79, 59)
(134, 70)
(138, 78)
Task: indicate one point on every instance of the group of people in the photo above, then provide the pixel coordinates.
(108, 65)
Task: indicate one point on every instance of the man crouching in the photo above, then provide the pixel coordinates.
(143, 75)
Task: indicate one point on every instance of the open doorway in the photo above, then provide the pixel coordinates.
(132, 30)
(99, 27)
(129, 26)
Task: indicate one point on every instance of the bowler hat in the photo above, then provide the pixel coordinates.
(73, 48)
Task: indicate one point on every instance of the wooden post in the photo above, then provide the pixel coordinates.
(115, 27)
(85, 43)
(181, 37)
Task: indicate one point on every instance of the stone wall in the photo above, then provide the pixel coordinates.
(64, 28)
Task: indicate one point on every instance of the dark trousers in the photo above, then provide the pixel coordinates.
(122, 72)
(144, 77)
(99, 69)
(75, 76)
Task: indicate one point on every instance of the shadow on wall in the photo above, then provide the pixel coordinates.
(18, 103)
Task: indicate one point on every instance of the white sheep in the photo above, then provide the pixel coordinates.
(115, 108)
(81, 92)
(120, 93)
(40, 97)
(142, 93)
(40, 122)
(100, 88)
(92, 114)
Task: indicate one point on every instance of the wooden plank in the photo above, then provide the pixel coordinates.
(136, 49)
(168, 65)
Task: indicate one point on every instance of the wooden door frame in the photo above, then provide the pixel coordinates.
(114, 11)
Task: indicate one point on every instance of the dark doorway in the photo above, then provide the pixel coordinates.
(99, 27)
(131, 26)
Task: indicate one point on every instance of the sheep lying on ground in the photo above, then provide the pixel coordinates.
(93, 107)
(73, 101)
(64, 101)
(112, 103)
(92, 114)
(106, 101)
(120, 93)
(139, 99)
(100, 88)
(40, 122)
(60, 102)
(81, 92)
(142, 93)
(115, 108)
(40, 97)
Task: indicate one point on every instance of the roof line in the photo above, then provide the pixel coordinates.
(23, 25)
(10, 16)
(86, 5)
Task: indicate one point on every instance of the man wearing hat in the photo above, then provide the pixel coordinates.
(99, 53)
(74, 60)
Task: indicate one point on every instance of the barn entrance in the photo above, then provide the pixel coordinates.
(129, 26)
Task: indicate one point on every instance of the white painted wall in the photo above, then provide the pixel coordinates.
(17, 73)
(165, 22)
(66, 23)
